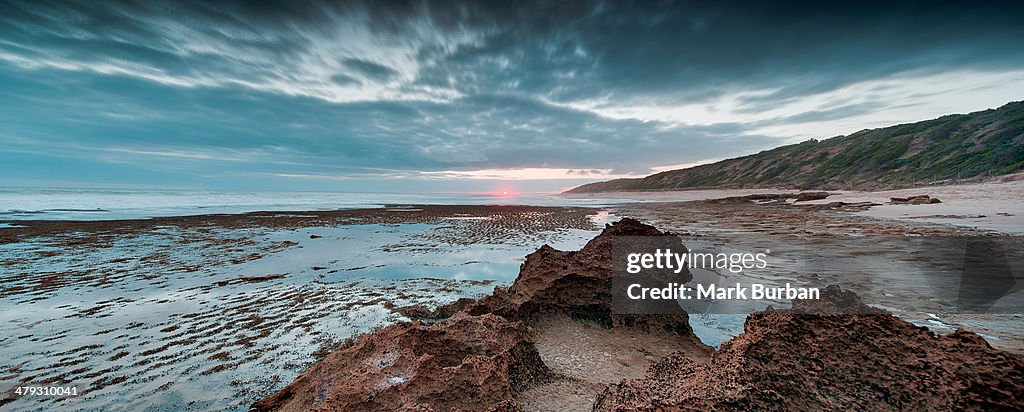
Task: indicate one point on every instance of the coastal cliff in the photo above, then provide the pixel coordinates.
(953, 147)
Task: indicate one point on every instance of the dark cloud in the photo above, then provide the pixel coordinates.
(562, 50)
(838, 112)
(374, 87)
(482, 131)
(344, 80)
(704, 48)
(370, 69)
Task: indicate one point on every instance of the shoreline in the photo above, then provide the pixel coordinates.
(1012, 177)
(390, 214)
(991, 205)
(340, 264)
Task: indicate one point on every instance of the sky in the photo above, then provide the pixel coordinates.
(450, 96)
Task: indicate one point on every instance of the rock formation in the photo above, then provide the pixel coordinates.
(489, 355)
(800, 359)
(481, 356)
(807, 196)
(914, 200)
(462, 363)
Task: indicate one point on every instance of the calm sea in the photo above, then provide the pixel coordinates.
(106, 204)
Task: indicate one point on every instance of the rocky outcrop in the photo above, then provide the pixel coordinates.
(832, 353)
(577, 283)
(481, 356)
(427, 315)
(914, 200)
(799, 361)
(808, 196)
(465, 362)
(775, 197)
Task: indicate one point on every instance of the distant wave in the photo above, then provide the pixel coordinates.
(43, 211)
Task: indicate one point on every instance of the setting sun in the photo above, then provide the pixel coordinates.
(503, 193)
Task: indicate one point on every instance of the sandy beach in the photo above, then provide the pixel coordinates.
(993, 205)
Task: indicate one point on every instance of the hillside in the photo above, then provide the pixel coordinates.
(959, 146)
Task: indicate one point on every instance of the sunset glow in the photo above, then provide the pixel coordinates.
(504, 192)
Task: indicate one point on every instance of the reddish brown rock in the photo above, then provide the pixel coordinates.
(481, 356)
(426, 315)
(791, 361)
(914, 200)
(578, 283)
(834, 353)
(808, 196)
(555, 280)
(774, 198)
(462, 363)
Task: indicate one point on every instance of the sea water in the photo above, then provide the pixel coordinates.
(112, 204)
(156, 321)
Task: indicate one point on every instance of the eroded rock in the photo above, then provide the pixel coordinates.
(914, 200)
(465, 362)
(808, 196)
(833, 353)
(785, 359)
(484, 353)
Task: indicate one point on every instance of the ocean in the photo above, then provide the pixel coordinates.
(113, 204)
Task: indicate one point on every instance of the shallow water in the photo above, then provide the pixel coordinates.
(918, 280)
(173, 319)
(103, 204)
(715, 329)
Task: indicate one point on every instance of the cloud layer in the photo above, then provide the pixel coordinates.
(233, 94)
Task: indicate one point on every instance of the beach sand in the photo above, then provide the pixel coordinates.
(996, 205)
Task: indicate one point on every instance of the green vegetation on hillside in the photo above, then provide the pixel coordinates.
(985, 143)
